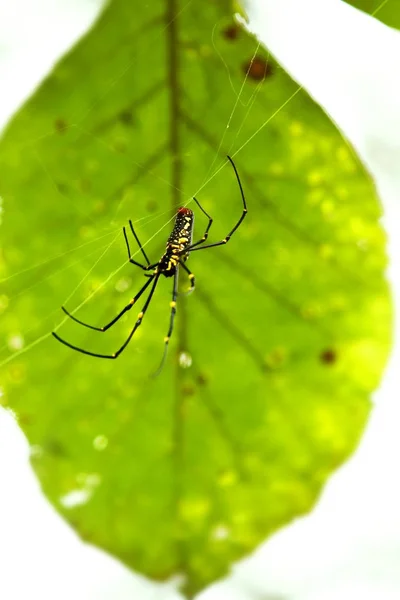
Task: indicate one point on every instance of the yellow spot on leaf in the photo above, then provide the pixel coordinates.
(326, 251)
(327, 207)
(314, 178)
(296, 128)
(276, 168)
(343, 154)
(194, 509)
(227, 478)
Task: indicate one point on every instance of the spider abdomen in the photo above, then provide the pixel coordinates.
(178, 242)
(181, 236)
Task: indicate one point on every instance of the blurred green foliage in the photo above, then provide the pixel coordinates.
(387, 11)
(288, 330)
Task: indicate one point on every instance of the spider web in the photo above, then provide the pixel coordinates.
(269, 263)
(115, 232)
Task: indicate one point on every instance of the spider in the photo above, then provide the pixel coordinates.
(179, 246)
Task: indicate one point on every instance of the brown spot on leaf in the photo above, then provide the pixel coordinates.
(188, 390)
(62, 188)
(24, 419)
(152, 206)
(276, 358)
(231, 32)
(126, 117)
(257, 69)
(85, 185)
(328, 356)
(60, 125)
(201, 379)
(120, 146)
(54, 447)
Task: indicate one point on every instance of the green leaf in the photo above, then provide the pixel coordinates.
(287, 331)
(385, 10)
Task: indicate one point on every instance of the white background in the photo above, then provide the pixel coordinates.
(349, 547)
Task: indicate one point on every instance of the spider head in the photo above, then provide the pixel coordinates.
(184, 211)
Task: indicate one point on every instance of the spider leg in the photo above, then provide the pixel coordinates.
(134, 262)
(119, 315)
(171, 323)
(128, 339)
(228, 237)
(210, 222)
(191, 278)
